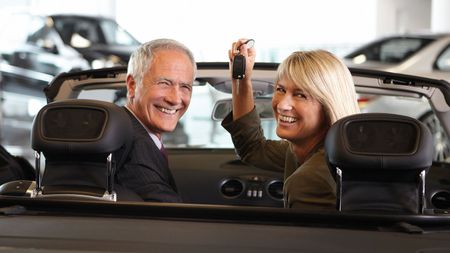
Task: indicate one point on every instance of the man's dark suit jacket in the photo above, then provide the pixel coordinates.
(146, 170)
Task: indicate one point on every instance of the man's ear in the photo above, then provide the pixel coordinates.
(131, 86)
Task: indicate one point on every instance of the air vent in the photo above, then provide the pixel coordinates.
(441, 200)
(231, 188)
(275, 189)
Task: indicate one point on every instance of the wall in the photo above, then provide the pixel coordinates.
(440, 20)
(90, 7)
(403, 16)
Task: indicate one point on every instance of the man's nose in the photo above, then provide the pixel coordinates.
(174, 95)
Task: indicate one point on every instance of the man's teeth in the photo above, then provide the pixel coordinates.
(168, 111)
(287, 119)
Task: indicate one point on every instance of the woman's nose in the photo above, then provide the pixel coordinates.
(285, 103)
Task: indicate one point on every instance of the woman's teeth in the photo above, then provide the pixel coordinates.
(287, 119)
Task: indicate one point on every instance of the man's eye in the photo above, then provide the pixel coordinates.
(187, 87)
(163, 83)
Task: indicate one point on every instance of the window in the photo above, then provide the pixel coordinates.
(115, 35)
(443, 61)
(393, 50)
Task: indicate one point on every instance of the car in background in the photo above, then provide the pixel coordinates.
(100, 40)
(426, 55)
(35, 49)
(40, 47)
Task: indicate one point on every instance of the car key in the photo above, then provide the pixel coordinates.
(238, 69)
(239, 60)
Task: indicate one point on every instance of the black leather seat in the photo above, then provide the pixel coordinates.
(379, 162)
(78, 139)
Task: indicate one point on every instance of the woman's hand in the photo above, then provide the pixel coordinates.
(242, 90)
(248, 51)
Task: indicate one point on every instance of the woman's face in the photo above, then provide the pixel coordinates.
(300, 118)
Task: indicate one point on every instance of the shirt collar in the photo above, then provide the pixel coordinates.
(155, 138)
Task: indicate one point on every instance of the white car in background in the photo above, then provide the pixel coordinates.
(423, 55)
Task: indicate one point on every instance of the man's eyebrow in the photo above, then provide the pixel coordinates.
(164, 79)
(172, 81)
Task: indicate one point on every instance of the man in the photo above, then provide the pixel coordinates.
(159, 88)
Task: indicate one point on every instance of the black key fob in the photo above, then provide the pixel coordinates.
(238, 67)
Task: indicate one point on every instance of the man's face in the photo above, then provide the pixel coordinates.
(165, 92)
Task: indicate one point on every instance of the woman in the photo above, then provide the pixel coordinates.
(313, 89)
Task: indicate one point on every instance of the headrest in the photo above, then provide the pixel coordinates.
(80, 126)
(379, 141)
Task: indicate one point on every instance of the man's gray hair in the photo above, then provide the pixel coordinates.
(142, 57)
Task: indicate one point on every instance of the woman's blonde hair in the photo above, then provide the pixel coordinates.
(323, 76)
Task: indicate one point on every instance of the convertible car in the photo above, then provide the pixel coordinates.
(393, 188)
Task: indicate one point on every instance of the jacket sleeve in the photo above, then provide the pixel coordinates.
(251, 145)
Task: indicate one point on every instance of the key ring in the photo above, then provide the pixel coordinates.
(250, 43)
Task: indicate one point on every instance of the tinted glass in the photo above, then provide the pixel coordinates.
(79, 32)
(82, 32)
(393, 50)
(381, 137)
(115, 35)
(60, 123)
(443, 61)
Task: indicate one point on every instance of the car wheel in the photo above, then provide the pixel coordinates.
(440, 139)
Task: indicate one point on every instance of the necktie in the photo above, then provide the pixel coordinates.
(171, 179)
(164, 153)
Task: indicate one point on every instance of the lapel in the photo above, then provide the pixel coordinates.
(162, 162)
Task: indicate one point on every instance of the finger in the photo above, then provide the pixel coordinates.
(243, 50)
(235, 48)
(238, 45)
(251, 52)
(242, 41)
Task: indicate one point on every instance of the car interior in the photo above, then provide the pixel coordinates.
(222, 178)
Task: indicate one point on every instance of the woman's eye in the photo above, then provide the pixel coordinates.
(301, 95)
(279, 89)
